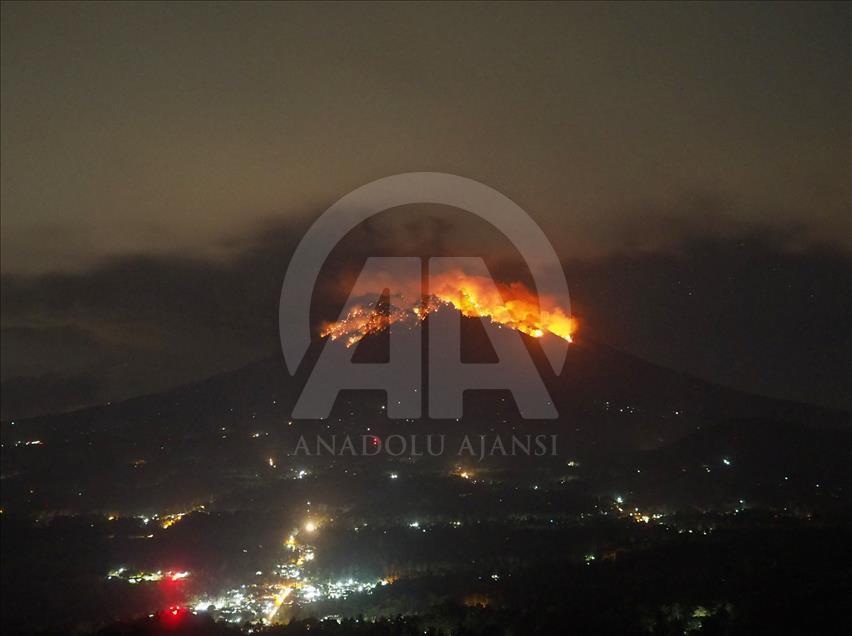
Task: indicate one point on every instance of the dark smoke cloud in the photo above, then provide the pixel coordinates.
(745, 307)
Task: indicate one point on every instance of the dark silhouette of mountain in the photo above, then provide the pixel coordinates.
(192, 439)
(595, 379)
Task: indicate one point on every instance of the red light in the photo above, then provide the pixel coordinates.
(172, 617)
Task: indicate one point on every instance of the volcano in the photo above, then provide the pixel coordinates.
(613, 397)
(202, 436)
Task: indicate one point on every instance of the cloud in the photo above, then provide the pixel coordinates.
(24, 396)
(739, 305)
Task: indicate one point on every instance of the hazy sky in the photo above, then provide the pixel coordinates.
(180, 128)
(690, 162)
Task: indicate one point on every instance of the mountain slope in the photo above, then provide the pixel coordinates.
(198, 440)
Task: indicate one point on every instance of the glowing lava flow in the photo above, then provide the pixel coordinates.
(512, 305)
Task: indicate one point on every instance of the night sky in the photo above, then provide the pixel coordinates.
(690, 163)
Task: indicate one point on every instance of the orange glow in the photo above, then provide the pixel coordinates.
(463, 473)
(359, 322)
(476, 600)
(512, 305)
(169, 520)
(279, 601)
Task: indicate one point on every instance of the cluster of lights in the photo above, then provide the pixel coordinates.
(261, 602)
(344, 587)
(244, 603)
(277, 602)
(629, 408)
(640, 517)
(123, 574)
(288, 571)
(464, 473)
(635, 514)
(167, 520)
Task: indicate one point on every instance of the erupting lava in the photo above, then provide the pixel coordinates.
(512, 305)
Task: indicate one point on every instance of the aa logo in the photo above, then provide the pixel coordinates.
(399, 279)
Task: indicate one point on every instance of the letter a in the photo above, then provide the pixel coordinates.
(400, 377)
(449, 377)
